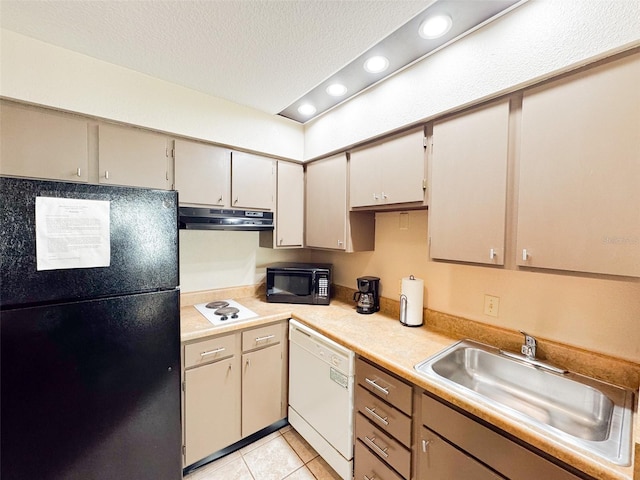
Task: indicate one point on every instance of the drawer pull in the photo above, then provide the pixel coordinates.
(265, 338)
(212, 352)
(381, 451)
(375, 385)
(372, 411)
(425, 445)
(364, 477)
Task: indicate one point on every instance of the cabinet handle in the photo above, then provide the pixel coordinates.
(372, 411)
(384, 196)
(281, 240)
(375, 385)
(106, 174)
(425, 445)
(266, 337)
(492, 253)
(213, 352)
(525, 254)
(79, 172)
(340, 243)
(235, 201)
(381, 451)
(364, 477)
(220, 199)
(375, 196)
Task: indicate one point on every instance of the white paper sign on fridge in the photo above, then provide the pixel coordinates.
(72, 233)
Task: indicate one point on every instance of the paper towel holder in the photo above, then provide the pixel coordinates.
(404, 301)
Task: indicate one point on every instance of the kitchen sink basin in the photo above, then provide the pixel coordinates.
(579, 411)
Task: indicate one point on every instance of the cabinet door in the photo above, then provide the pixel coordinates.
(212, 408)
(326, 204)
(403, 173)
(128, 156)
(365, 184)
(252, 181)
(261, 389)
(440, 461)
(202, 173)
(290, 205)
(38, 144)
(469, 186)
(389, 172)
(579, 195)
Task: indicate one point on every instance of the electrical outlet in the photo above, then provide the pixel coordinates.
(491, 305)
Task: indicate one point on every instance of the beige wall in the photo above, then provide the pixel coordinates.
(210, 260)
(597, 314)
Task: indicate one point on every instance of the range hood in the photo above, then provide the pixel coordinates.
(192, 218)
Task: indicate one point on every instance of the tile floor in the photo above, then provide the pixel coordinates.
(284, 454)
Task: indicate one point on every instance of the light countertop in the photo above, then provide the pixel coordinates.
(381, 338)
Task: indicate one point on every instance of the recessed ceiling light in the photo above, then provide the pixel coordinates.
(306, 109)
(376, 64)
(336, 89)
(436, 26)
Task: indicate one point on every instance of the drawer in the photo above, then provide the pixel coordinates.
(262, 337)
(209, 351)
(390, 419)
(384, 385)
(384, 446)
(367, 466)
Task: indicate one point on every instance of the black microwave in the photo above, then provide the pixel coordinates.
(299, 283)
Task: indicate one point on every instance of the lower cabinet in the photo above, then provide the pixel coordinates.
(402, 433)
(382, 424)
(478, 452)
(439, 460)
(211, 396)
(263, 396)
(233, 386)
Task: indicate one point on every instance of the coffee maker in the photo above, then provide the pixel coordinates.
(367, 295)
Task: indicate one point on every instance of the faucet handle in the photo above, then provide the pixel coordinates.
(529, 347)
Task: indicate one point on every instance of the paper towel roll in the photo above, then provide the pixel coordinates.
(413, 291)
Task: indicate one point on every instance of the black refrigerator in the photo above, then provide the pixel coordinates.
(90, 332)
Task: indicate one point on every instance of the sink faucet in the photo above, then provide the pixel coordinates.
(529, 352)
(529, 347)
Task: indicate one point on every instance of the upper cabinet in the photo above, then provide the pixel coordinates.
(390, 172)
(469, 186)
(202, 174)
(129, 156)
(36, 143)
(252, 181)
(579, 180)
(329, 224)
(289, 225)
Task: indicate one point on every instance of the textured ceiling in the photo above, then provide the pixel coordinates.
(261, 53)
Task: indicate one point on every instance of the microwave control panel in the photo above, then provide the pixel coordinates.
(323, 286)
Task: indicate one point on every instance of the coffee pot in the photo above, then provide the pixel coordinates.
(367, 296)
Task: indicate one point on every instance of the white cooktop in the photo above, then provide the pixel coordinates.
(209, 313)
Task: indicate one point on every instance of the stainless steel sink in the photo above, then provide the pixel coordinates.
(577, 410)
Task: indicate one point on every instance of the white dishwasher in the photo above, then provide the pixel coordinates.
(321, 395)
